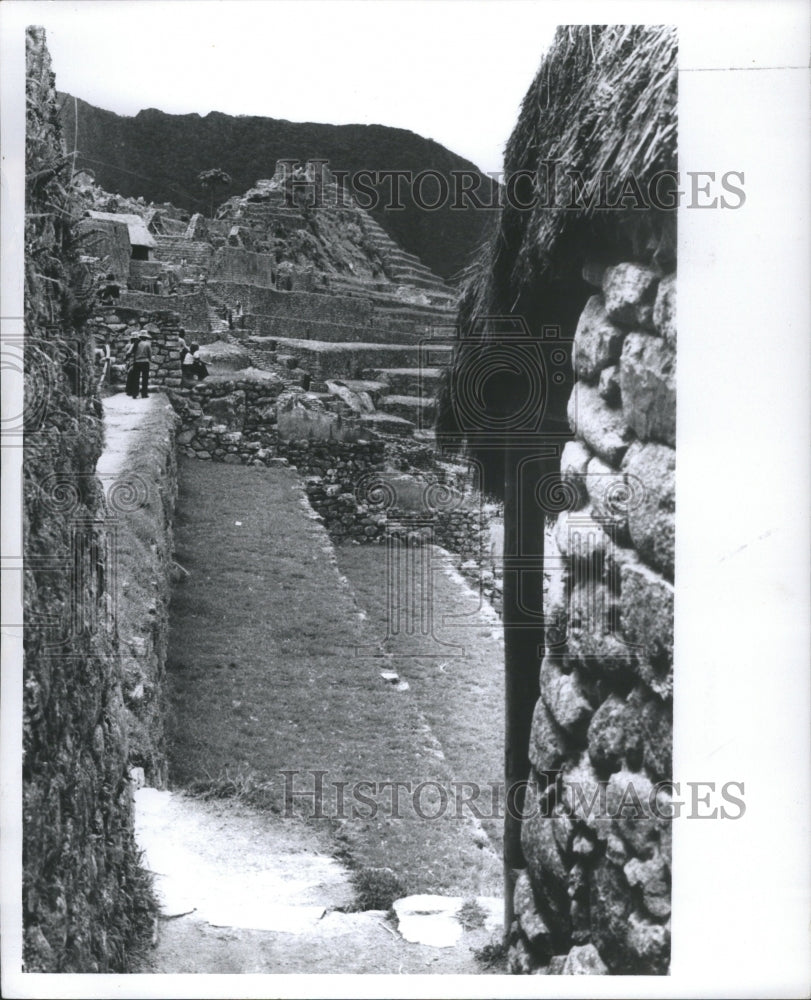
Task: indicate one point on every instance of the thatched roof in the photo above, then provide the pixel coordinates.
(136, 226)
(602, 106)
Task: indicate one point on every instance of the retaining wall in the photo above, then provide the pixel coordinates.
(86, 903)
(113, 325)
(595, 895)
(191, 308)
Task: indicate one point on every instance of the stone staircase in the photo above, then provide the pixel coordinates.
(174, 249)
(387, 336)
(400, 379)
(403, 268)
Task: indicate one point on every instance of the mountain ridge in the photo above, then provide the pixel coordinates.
(158, 156)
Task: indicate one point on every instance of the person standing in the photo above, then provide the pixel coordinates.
(129, 361)
(142, 357)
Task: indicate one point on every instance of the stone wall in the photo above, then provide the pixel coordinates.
(175, 249)
(351, 311)
(229, 419)
(233, 264)
(138, 471)
(191, 309)
(86, 902)
(595, 895)
(113, 325)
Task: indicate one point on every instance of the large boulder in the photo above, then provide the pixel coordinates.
(597, 342)
(544, 840)
(584, 960)
(664, 309)
(651, 515)
(603, 429)
(646, 601)
(228, 409)
(548, 743)
(301, 416)
(221, 357)
(648, 387)
(613, 736)
(629, 292)
(563, 696)
(358, 402)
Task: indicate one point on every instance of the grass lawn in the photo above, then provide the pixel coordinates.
(263, 678)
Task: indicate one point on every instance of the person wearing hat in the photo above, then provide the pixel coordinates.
(129, 361)
(141, 356)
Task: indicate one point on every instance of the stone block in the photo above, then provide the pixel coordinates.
(629, 292)
(593, 272)
(519, 959)
(564, 697)
(608, 495)
(580, 538)
(547, 868)
(597, 342)
(585, 796)
(594, 609)
(630, 801)
(573, 462)
(654, 720)
(664, 309)
(548, 743)
(648, 388)
(646, 603)
(608, 385)
(603, 654)
(610, 906)
(556, 965)
(651, 512)
(613, 736)
(584, 960)
(652, 878)
(531, 922)
(603, 429)
(648, 944)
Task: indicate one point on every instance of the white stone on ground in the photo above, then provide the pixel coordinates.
(434, 920)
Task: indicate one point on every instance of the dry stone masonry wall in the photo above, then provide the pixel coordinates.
(113, 325)
(86, 902)
(595, 896)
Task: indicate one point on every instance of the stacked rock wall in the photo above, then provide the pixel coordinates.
(595, 896)
(191, 308)
(113, 325)
(233, 264)
(86, 902)
(139, 473)
(352, 311)
(334, 498)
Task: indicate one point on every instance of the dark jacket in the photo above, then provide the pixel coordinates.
(142, 352)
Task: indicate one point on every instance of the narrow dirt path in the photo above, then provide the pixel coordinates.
(243, 893)
(276, 666)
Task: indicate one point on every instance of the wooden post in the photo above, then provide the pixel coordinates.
(523, 638)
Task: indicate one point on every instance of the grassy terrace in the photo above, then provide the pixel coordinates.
(264, 678)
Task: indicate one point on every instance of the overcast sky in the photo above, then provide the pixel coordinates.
(449, 70)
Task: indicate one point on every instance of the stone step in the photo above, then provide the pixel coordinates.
(405, 276)
(325, 360)
(407, 381)
(419, 409)
(375, 388)
(386, 423)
